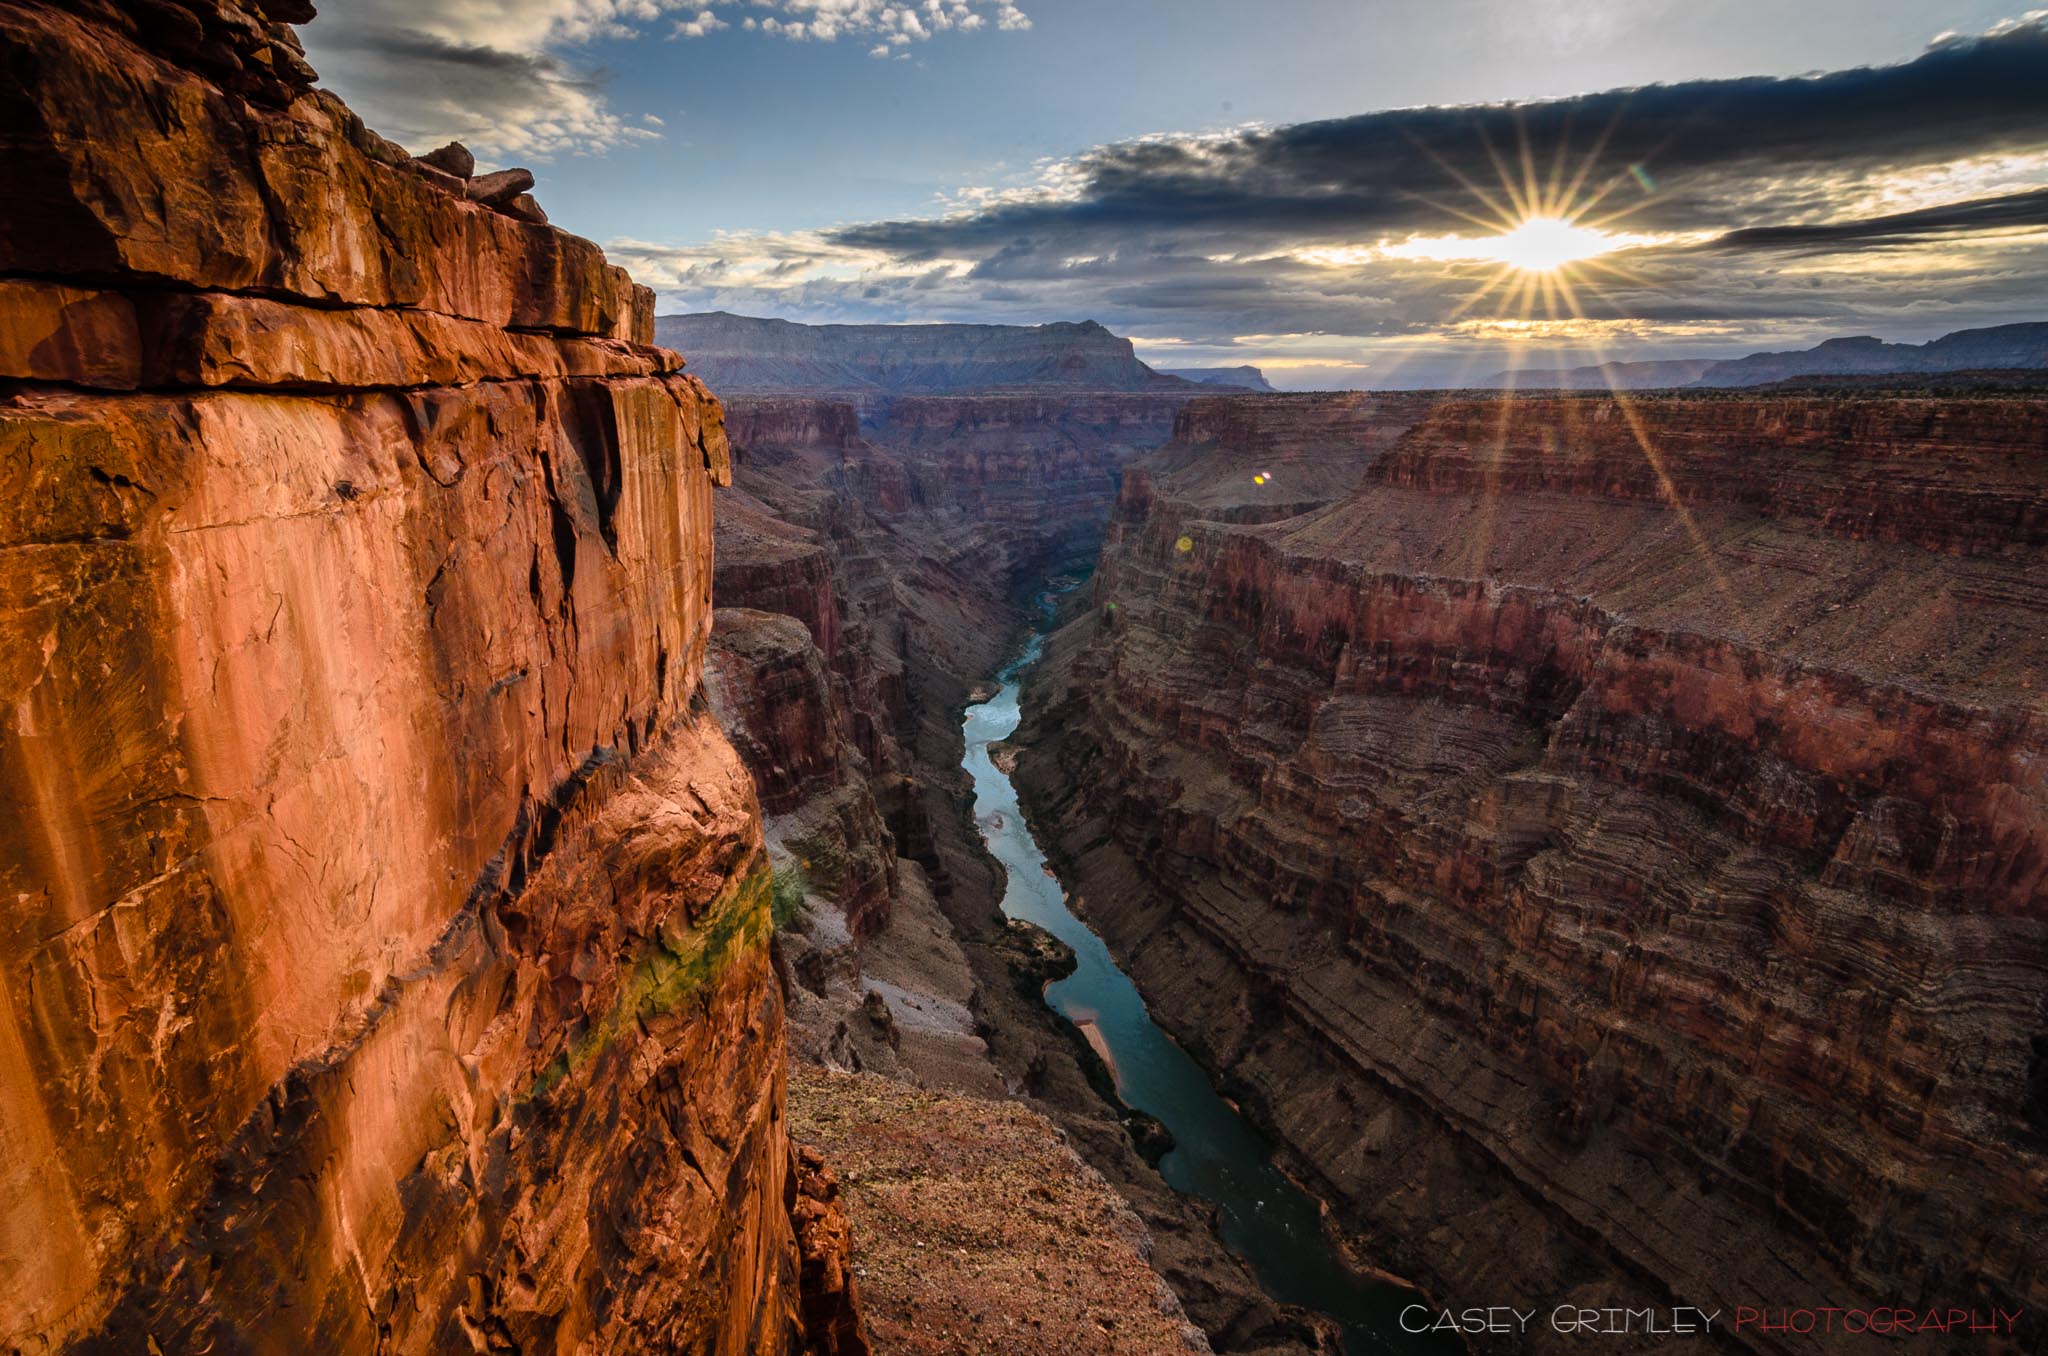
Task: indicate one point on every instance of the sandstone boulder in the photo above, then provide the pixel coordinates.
(496, 190)
(454, 158)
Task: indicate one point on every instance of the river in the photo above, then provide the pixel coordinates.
(1266, 1219)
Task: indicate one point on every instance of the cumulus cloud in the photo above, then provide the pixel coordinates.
(509, 78)
(894, 22)
(1907, 199)
(703, 24)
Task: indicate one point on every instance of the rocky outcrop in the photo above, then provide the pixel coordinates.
(745, 354)
(386, 945)
(774, 696)
(981, 1230)
(832, 1309)
(1606, 843)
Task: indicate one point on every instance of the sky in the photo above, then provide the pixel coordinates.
(1342, 192)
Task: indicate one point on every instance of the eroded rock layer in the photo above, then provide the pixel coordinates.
(385, 924)
(1608, 843)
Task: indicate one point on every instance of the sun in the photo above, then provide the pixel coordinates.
(1545, 244)
(1539, 242)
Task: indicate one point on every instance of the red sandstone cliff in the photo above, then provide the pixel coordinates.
(1608, 843)
(385, 951)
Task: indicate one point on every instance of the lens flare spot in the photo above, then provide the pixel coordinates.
(1184, 545)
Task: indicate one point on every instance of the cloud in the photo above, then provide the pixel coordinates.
(1719, 151)
(894, 22)
(1904, 198)
(2009, 212)
(422, 89)
(508, 78)
(704, 24)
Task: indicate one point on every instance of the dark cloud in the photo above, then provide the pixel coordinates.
(426, 53)
(1718, 151)
(2010, 211)
(505, 100)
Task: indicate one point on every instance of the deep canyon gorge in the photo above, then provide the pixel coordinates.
(497, 798)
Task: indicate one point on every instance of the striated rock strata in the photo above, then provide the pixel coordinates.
(1607, 843)
(385, 937)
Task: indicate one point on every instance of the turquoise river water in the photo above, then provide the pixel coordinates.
(1266, 1219)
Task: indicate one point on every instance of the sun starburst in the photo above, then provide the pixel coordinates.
(1551, 239)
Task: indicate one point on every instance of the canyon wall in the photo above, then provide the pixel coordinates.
(386, 938)
(1607, 843)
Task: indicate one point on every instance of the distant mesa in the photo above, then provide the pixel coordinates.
(2002, 346)
(1998, 348)
(736, 354)
(1247, 378)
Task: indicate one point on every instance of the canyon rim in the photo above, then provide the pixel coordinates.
(1408, 720)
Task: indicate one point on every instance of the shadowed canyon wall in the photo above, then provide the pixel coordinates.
(385, 943)
(1607, 843)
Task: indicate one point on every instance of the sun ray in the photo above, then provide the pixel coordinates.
(1531, 194)
(1523, 209)
(1586, 166)
(1619, 214)
(1554, 199)
(1640, 432)
(1453, 209)
(1552, 239)
(1501, 275)
(1507, 217)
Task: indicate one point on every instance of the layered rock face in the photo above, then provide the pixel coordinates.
(386, 926)
(746, 354)
(1608, 843)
